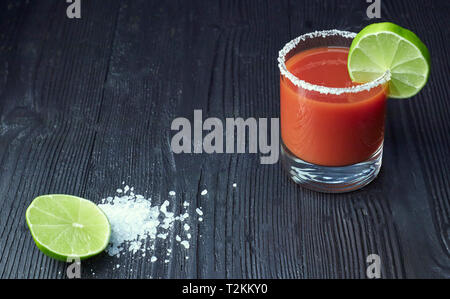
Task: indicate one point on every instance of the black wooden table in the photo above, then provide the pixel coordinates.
(87, 103)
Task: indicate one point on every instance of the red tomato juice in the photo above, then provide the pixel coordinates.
(329, 129)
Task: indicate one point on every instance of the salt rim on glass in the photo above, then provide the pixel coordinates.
(318, 88)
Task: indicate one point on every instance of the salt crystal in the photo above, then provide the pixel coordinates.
(185, 244)
(200, 212)
(153, 259)
(234, 185)
(204, 192)
(162, 236)
(200, 219)
(135, 246)
(119, 191)
(186, 226)
(177, 237)
(172, 193)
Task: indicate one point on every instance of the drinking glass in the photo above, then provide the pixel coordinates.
(331, 136)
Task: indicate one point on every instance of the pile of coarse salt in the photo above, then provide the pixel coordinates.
(136, 223)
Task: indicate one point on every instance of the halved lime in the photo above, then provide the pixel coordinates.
(66, 227)
(385, 46)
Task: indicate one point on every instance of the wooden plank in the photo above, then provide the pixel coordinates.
(49, 110)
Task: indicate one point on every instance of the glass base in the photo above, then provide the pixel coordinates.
(331, 179)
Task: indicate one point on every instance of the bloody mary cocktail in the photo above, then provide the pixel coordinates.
(332, 129)
(329, 129)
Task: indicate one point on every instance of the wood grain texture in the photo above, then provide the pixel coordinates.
(86, 104)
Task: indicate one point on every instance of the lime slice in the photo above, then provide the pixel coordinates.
(65, 226)
(386, 46)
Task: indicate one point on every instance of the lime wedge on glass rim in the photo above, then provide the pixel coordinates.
(386, 46)
(66, 227)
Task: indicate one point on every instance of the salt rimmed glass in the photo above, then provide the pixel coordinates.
(344, 127)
